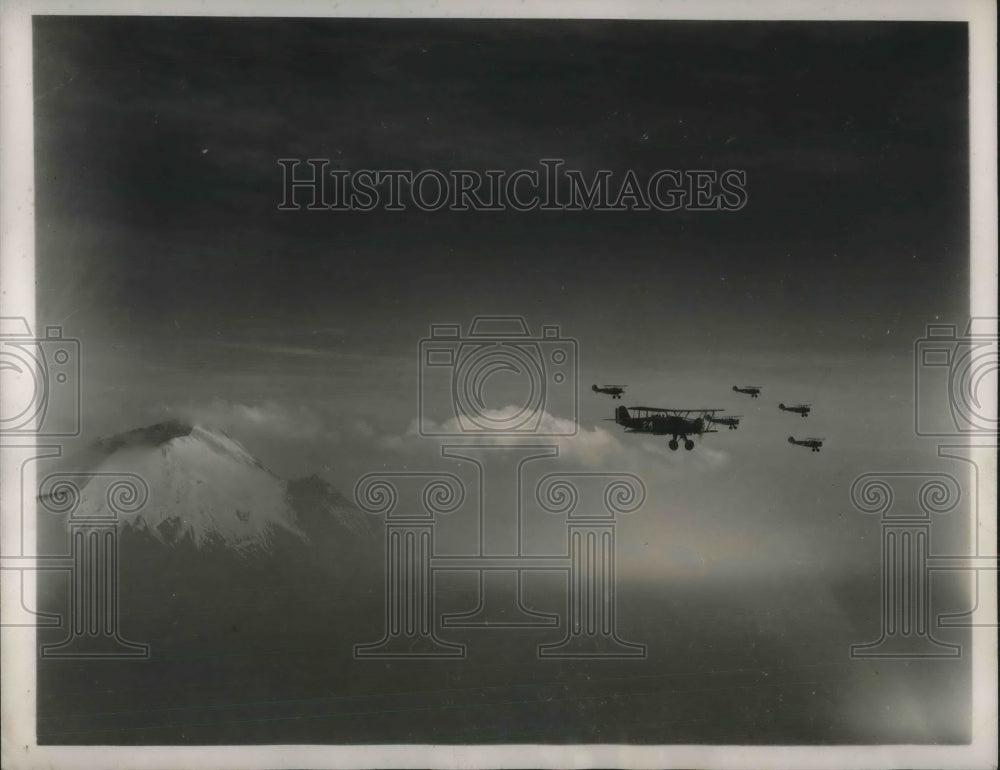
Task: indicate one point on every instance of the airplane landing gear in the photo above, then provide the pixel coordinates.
(673, 445)
(688, 444)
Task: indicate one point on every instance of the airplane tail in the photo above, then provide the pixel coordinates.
(735, 388)
(791, 439)
(781, 406)
(622, 416)
(593, 388)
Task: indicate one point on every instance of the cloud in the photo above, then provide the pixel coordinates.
(291, 439)
(300, 439)
(596, 448)
(268, 417)
(706, 515)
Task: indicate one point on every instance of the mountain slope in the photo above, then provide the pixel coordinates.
(205, 486)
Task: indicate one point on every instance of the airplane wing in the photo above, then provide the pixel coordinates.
(675, 412)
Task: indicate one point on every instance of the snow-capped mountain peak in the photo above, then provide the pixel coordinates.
(203, 484)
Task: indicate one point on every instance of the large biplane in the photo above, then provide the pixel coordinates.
(751, 390)
(802, 409)
(615, 391)
(676, 423)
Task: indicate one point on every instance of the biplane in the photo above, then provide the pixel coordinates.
(813, 443)
(802, 409)
(615, 391)
(676, 423)
(751, 390)
(732, 421)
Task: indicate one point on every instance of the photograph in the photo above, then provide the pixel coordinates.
(499, 385)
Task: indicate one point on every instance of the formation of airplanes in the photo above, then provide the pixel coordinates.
(682, 424)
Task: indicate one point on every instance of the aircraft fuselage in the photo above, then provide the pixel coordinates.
(661, 424)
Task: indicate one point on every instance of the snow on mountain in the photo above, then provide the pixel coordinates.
(206, 486)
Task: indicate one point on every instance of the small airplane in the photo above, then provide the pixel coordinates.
(813, 443)
(733, 421)
(615, 391)
(751, 390)
(802, 409)
(676, 423)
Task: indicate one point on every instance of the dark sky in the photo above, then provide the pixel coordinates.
(157, 183)
(161, 247)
